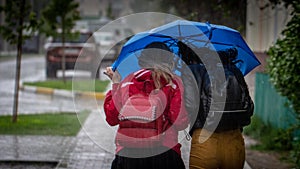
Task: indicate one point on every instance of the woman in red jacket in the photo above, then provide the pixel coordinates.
(156, 71)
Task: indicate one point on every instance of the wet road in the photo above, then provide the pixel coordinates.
(33, 69)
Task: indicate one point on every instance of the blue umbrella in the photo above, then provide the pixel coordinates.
(193, 34)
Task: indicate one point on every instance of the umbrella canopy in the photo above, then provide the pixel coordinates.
(193, 34)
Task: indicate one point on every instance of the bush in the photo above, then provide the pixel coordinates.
(270, 137)
(284, 62)
(284, 68)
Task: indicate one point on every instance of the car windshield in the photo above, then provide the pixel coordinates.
(79, 38)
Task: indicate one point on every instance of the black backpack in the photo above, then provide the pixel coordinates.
(214, 114)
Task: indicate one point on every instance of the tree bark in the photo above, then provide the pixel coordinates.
(63, 61)
(18, 64)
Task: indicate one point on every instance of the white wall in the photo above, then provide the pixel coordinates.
(263, 27)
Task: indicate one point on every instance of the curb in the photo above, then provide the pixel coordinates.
(63, 93)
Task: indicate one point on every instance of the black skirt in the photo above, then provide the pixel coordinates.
(167, 160)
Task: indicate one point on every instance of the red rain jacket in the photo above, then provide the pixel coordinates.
(175, 111)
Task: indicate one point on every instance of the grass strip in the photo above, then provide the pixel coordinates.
(84, 85)
(60, 124)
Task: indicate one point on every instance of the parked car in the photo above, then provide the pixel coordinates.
(74, 47)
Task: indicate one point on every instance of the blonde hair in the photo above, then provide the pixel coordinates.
(158, 74)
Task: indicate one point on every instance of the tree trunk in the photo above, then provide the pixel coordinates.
(18, 65)
(63, 61)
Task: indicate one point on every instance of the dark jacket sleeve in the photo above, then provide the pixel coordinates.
(191, 94)
(199, 73)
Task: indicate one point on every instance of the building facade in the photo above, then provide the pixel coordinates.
(264, 24)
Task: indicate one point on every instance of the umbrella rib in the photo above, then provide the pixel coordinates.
(179, 31)
(160, 35)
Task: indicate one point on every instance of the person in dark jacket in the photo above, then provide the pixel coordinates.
(225, 107)
(156, 70)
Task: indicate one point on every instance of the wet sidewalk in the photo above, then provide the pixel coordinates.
(87, 152)
(35, 148)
